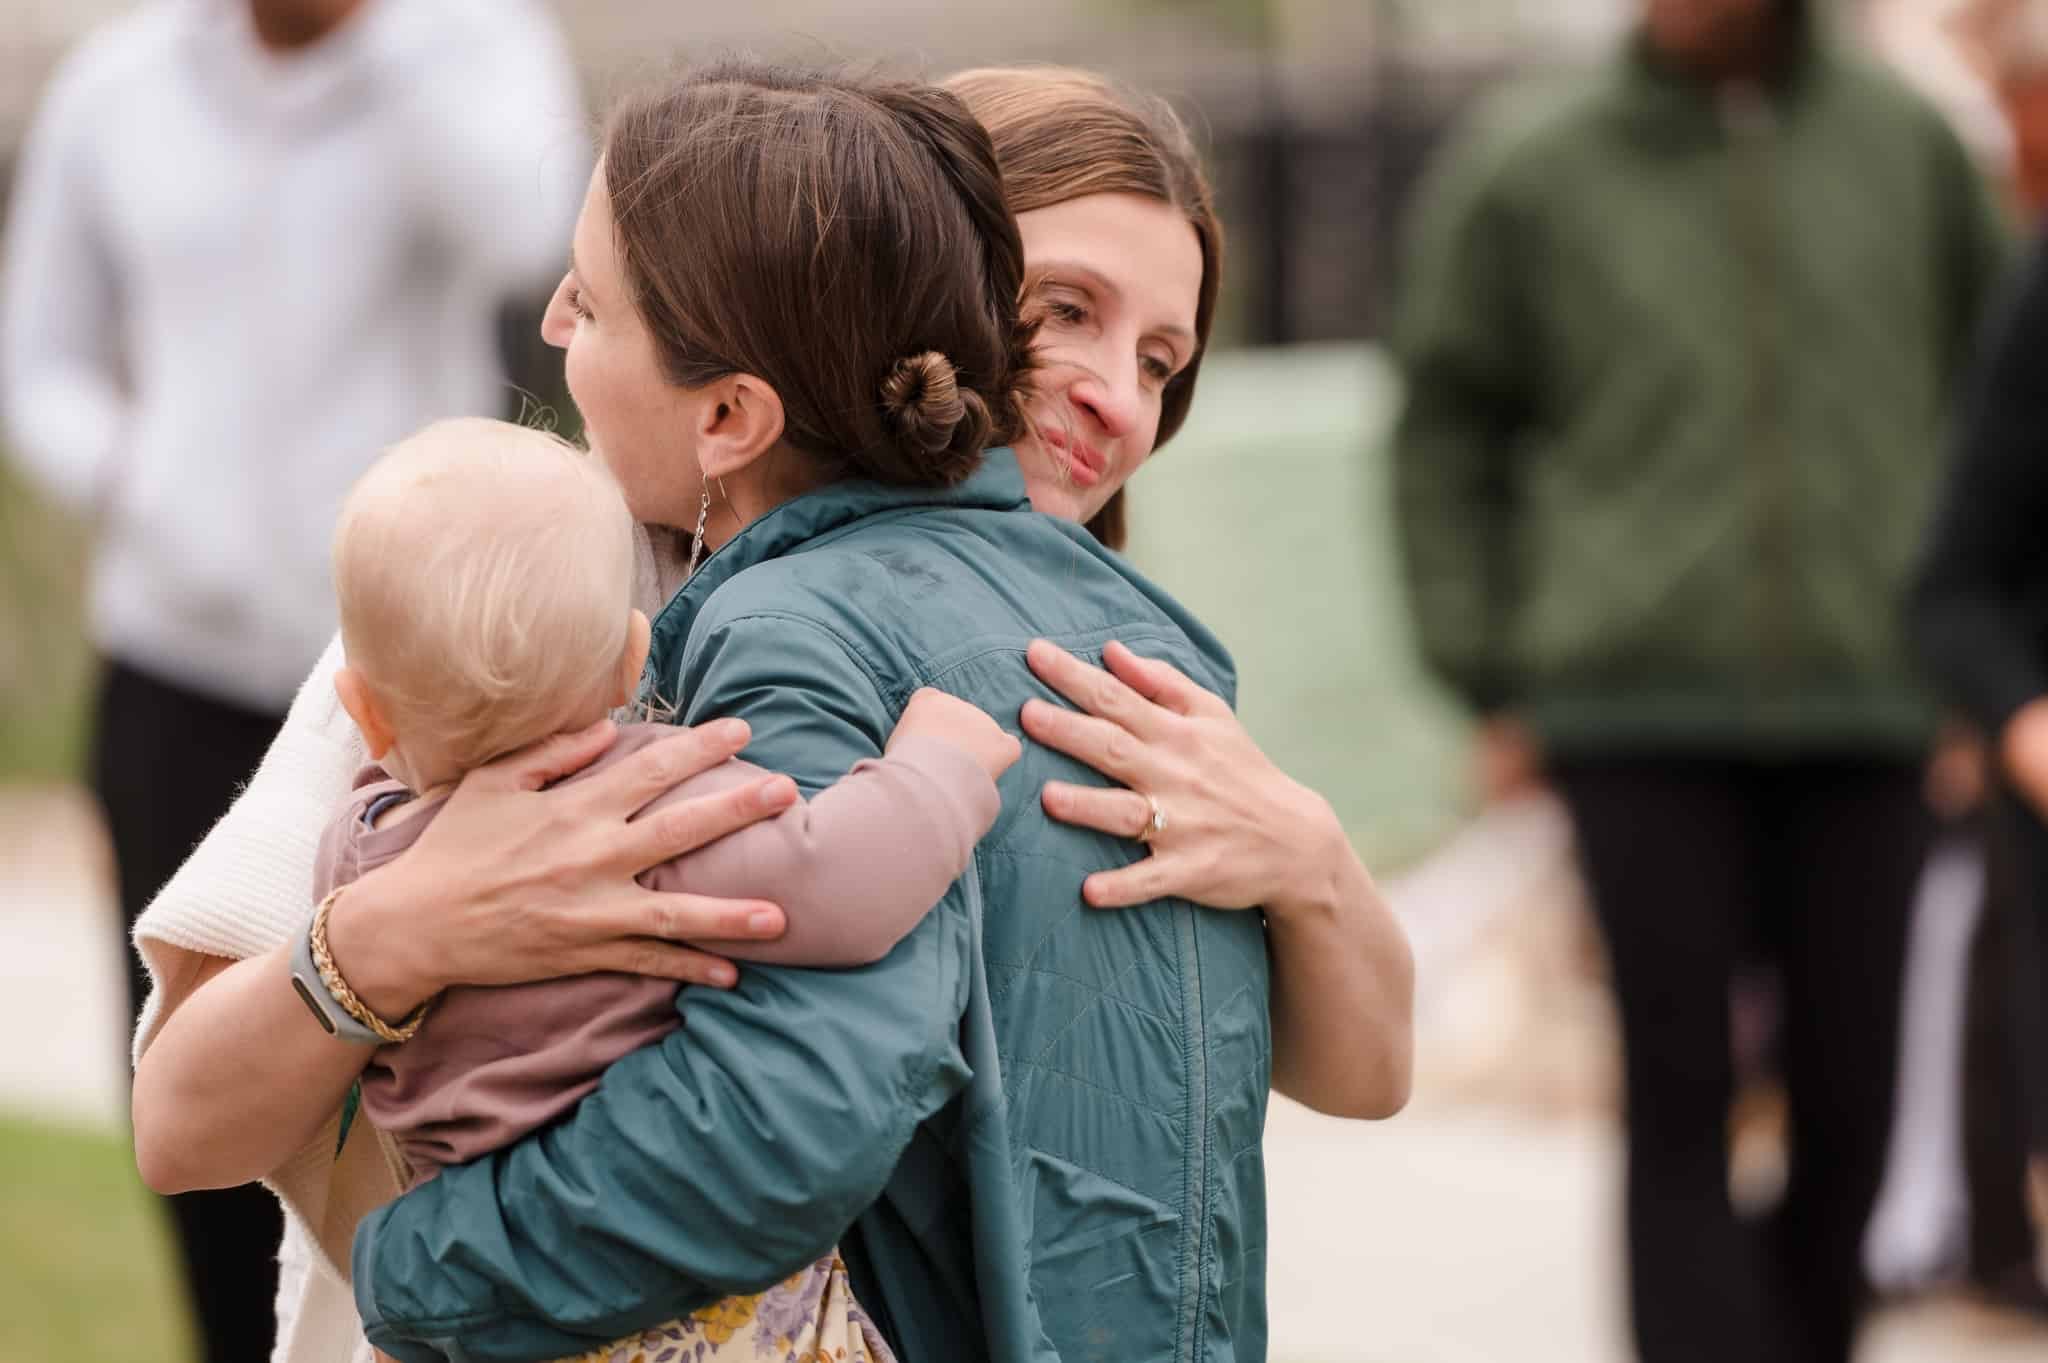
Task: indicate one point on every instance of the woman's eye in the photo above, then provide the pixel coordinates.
(1156, 369)
(575, 301)
(1065, 312)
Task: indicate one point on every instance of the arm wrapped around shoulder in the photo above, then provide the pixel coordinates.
(857, 866)
(737, 1149)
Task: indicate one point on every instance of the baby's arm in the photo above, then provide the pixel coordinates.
(863, 861)
(854, 870)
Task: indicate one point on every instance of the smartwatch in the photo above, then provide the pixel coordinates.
(312, 991)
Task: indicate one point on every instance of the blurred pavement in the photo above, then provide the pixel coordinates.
(1469, 1230)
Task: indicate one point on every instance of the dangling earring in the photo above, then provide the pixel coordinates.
(697, 540)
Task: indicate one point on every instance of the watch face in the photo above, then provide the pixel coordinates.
(306, 995)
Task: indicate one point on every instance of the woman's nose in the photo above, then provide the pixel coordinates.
(1113, 403)
(557, 323)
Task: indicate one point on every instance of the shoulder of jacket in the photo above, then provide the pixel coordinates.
(784, 586)
(819, 581)
(801, 600)
(1513, 137)
(443, 34)
(106, 63)
(1877, 90)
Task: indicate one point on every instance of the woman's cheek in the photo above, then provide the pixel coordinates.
(575, 367)
(1142, 444)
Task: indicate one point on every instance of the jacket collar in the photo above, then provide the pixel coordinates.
(998, 485)
(334, 78)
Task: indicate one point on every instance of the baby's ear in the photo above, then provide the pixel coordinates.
(361, 705)
(639, 638)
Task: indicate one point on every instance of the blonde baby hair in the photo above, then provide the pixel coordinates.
(484, 573)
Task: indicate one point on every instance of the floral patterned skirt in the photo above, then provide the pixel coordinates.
(810, 1317)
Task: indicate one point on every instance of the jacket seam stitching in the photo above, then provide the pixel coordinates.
(1090, 1083)
(1085, 984)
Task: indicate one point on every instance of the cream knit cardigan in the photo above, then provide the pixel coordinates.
(244, 891)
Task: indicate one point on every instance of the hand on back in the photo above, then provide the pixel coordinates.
(522, 879)
(1233, 831)
(934, 714)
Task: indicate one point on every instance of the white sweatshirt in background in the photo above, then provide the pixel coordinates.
(233, 276)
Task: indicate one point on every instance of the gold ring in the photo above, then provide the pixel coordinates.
(1155, 825)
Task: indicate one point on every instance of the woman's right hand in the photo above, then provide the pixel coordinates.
(516, 881)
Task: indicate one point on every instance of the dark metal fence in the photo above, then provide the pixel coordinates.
(1315, 212)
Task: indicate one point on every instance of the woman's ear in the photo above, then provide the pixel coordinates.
(739, 418)
(633, 662)
(356, 698)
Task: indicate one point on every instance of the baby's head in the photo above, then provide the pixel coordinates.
(485, 577)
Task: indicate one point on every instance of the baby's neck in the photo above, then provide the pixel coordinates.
(404, 810)
(425, 779)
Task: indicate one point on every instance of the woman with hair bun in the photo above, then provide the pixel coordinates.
(792, 326)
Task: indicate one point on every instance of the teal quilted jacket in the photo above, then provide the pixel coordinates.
(1033, 1128)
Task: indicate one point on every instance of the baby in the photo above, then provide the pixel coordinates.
(484, 572)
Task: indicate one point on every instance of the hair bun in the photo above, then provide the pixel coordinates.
(922, 403)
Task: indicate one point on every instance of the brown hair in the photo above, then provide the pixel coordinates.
(1062, 134)
(845, 240)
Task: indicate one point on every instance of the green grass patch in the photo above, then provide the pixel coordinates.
(86, 1273)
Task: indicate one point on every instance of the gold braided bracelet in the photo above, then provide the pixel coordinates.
(337, 987)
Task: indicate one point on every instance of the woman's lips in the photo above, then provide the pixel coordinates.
(1085, 464)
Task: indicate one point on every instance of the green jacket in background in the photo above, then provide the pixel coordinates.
(1033, 1128)
(1679, 365)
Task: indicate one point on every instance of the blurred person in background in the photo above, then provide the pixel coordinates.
(252, 242)
(1680, 340)
(1951, 1199)
(1980, 613)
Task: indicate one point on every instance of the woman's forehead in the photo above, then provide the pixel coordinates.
(1143, 248)
(592, 249)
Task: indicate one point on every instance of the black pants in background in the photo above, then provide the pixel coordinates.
(166, 764)
(1692, 865)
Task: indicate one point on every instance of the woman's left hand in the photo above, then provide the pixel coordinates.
(1239, 833)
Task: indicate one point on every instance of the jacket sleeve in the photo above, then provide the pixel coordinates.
(1456, 336)
(853, 869)
(732, 1153)
(1981, 582)
(61, 382)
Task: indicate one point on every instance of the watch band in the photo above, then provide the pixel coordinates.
(312, 991)
(335, 993)
(338, 990)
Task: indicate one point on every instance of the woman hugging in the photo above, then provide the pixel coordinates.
(992, 1080)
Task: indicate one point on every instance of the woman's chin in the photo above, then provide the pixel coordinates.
(1071, 504)
(1053, 492)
